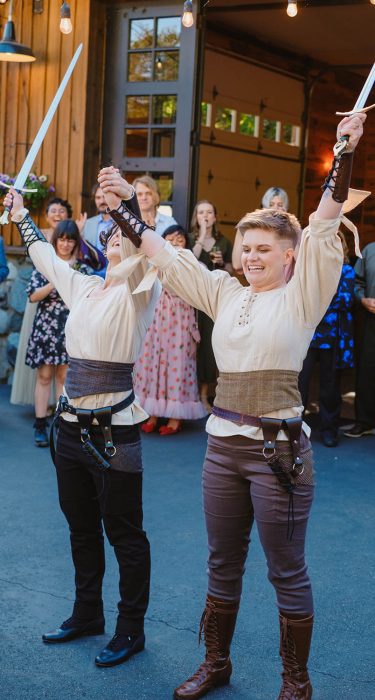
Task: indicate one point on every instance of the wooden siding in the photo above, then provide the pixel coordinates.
(26, 93)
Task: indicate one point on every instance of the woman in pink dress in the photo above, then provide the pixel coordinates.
(166, 373)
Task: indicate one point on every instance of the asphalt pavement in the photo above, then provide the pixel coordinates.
(36, 579)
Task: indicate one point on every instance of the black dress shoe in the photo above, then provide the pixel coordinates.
(72, 629)
(329, 438)
(120, 649)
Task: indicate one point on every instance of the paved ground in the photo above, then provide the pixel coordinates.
(36, 579)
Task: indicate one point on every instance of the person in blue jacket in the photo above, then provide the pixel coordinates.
(333, 346)
(4, 269)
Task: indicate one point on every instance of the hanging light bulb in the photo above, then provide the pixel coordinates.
(188, 17)
(372, 2)
(2, 2)
(292, 8)
(65, 22)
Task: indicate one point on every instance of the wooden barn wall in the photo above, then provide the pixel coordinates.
(26, 93)
(329, 91)
(94, 103)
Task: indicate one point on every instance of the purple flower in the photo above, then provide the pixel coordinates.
(51, 189)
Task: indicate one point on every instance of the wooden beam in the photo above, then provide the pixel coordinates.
(264, 6)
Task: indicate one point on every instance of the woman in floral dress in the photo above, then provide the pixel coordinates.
(46, 350)
(166, 373)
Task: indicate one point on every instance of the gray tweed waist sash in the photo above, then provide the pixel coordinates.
(86, 377)
(258, 393)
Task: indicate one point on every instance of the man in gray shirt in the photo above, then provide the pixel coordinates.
(365, 384)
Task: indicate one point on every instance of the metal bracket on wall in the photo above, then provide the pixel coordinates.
(215, 92)
(210, 176)
(257, 183)
(38, 7)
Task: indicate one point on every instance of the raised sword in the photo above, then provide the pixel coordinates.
(359, 106)
(33, 152)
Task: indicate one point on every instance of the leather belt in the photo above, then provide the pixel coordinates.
(85, 417)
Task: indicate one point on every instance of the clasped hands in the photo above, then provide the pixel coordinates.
(114, 186)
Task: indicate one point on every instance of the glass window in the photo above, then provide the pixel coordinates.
(225, 119)
(166, 65)
(271, 129)
(164, 109)
(137, 109)
(163, 143)
(168, 31)
(136, 143)
(291, 134)
(140, 67)
(141, 33)
(206, 113)
(165, 185)
(249, 124)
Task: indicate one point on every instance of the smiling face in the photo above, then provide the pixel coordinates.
(65, 247)
(113, 250)
(55, 214)
(206, 214)
(264, 257)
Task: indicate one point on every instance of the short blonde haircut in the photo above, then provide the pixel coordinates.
(286, 226)
(150, 183)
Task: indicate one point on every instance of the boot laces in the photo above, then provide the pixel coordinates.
(119, 641)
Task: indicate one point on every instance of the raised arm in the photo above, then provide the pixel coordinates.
(319, 263)
(69, 283)
(179, 271)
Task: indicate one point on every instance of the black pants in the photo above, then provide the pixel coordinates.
(89, 498)
(365, 389)
(329, 386)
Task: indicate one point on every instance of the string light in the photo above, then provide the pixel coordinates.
(187, 17)
(2, 2)
(65, 22)
(292, 8)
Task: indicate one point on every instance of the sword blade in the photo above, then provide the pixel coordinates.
(362, 99)
(33, 152)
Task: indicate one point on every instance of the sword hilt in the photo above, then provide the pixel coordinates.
(340, 146)
(4, 218)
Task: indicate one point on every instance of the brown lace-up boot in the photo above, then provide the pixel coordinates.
(295, 639)
(217, 624)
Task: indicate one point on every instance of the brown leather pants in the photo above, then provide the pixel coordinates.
(238, 488)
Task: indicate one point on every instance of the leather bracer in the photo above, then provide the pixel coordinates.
(338, 178)
(29, 232)
(129, 222)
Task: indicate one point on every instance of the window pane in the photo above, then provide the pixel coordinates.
(225, 119)
(168, 31)
(249, 124)
(141, 33)
(164, 109)
(291, 134)
(136, 141)
(137, 109)
(165, 185)
(206, 113)
(163, 143)
(166, 65)
(140, 67)
(271, 129)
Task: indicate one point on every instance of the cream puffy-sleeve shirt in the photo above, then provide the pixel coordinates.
(110, 328)
(265, 330)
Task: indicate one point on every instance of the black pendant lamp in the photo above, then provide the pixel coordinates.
(10, 49)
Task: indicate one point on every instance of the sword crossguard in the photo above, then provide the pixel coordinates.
(340, 146)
